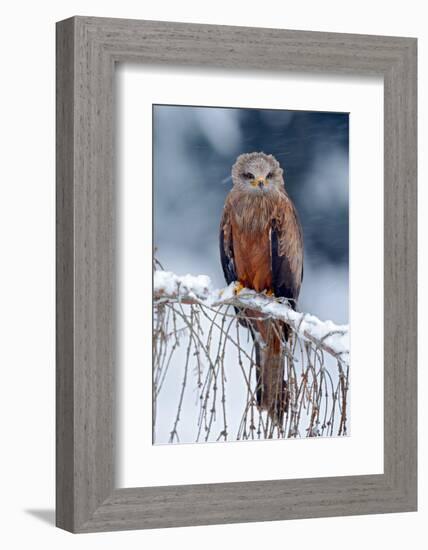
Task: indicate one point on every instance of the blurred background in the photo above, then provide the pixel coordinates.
(194, 150)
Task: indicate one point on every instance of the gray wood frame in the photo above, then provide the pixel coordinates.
(87, 50)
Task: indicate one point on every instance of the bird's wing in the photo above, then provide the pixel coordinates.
(286, 252)
(226, 246)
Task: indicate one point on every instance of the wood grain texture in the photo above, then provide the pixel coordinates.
(87, 49)
(64, 278)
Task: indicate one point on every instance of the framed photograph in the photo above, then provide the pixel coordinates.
(256, 377)
(236, 274)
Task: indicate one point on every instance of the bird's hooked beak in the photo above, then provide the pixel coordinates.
(259, 182)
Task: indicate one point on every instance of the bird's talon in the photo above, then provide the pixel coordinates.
(238, 287)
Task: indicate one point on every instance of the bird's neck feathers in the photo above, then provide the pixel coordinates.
(253, 212)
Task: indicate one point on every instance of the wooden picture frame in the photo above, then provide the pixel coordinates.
(87, 50)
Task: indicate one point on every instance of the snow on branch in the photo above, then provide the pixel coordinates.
(191, 289)
(201, 335)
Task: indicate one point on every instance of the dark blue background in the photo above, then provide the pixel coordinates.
(194, 149)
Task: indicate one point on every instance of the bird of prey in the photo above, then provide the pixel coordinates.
(261, 248)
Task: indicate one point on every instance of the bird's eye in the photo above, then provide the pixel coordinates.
(270, 175)
(248, 176)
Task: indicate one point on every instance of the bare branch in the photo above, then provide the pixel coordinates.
(212, 325)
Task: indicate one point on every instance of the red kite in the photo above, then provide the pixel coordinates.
(261, 248)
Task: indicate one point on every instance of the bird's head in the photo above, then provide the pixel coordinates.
(257, 173)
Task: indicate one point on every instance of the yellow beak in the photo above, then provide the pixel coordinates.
(259, 182)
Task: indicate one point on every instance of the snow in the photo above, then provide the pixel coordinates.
(193, 286)
(331, 337)
(335, 337)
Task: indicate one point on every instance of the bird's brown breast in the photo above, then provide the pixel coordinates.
(252, 249)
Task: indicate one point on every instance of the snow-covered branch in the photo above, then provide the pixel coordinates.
(190, 289)
(201, 333)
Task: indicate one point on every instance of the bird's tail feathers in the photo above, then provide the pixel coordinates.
(271, 386)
